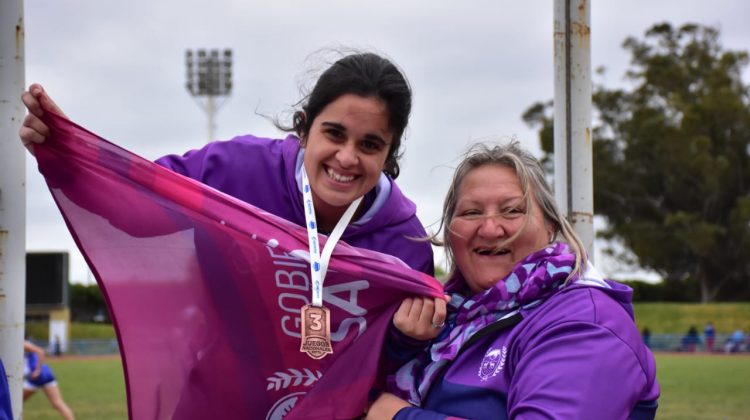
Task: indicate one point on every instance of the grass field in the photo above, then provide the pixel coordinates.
(703, 386)
(93, 387)
(693, 387)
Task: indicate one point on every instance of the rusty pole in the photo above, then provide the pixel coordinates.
(12, 199)
(574, 186)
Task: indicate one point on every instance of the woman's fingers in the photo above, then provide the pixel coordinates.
(33, 130)
(32, 103)
(425, 315)
(401, 319)
(440, 313)
(37, 126)
(44, 100)
(417, 307)
(421, 318)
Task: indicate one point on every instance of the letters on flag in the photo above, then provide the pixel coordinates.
(205, 291)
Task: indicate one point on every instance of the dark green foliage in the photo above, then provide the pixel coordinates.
(87, 303)
(440, 274)
(672, 159)
(663, 292)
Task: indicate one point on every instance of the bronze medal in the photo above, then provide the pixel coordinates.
(316, 331)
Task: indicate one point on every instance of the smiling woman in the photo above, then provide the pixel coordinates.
(490, 211)
(533, 330)
(345, 153)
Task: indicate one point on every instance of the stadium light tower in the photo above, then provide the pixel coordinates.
(209, 79)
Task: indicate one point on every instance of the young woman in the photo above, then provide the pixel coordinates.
(347, 138)
(38, 375)
(533, 331)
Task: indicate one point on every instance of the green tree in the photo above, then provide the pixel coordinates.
(672, 159)
(86, 302)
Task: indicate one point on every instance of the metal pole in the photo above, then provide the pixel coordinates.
(12, 199)
(574, 185)
(210, 110)
(209, 76)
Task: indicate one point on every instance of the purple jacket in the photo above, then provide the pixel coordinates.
(5, 411)
(261, 171)
(578, 355)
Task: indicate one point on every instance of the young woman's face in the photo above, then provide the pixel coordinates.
(345, 151)
(490, 209)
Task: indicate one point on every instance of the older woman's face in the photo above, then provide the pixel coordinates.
(490, 209)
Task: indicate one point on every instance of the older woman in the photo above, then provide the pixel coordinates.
(533, 331)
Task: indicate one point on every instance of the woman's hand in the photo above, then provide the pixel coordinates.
(385, 407)
(28, 346)
(37, 371)
(33, 130)
(421, 318)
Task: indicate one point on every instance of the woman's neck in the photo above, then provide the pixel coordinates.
(328, 216)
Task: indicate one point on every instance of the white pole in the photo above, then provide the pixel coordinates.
(574, 185)
(12, 199)
(210, 110)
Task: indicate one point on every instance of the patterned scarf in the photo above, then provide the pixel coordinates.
(531, 281)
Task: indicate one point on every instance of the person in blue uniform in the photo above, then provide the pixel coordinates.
(38, 375)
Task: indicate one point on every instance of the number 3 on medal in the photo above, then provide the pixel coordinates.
(315, 325)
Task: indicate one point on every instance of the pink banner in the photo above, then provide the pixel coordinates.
(205, 290)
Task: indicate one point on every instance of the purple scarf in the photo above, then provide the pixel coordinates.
(534, 279)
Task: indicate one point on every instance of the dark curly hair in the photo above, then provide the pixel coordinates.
(366, 75)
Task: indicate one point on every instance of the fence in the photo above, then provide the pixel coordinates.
(88, 347)
(657, 342)
(675, 342)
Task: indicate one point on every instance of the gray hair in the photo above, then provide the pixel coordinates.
(530, 175)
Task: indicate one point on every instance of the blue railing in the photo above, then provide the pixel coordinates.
(676, 342)
(657, 342)
(88, 347)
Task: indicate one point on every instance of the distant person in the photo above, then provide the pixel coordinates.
(735, 343)
(57, 346)
(690, 340)
(5, 412)
(646, 334)
(709, 334)
(38, 375)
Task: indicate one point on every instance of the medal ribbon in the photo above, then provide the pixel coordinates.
(318, 260)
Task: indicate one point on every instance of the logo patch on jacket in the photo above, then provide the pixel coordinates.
(492, 363)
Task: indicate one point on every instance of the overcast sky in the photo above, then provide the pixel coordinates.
(117, 68)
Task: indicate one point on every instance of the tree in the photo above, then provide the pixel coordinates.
(86, 302)
(672, 159)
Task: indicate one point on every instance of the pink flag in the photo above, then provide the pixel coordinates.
(205, 290)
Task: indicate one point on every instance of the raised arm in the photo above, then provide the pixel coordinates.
(30, 347)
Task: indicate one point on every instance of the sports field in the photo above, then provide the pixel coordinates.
(694, 386)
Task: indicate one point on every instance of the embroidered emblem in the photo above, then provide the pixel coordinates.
(492, 363)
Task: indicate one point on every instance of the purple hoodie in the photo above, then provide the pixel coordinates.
(577, 355)
(5, 411)
(261, 171)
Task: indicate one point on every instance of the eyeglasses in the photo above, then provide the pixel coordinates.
(478, 217)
